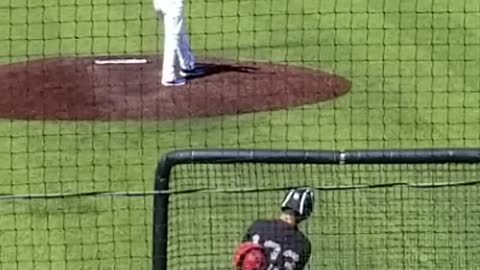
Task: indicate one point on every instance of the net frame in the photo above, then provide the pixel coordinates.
(233, 156)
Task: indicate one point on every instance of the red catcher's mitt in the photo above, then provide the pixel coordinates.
(249, 256)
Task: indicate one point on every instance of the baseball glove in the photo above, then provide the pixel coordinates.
(249, 256)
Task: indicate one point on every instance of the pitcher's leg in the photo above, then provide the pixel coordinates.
(185, 56)
(172, 24)
(169, 57)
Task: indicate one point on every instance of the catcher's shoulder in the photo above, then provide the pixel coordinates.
(260, 222)
(305, 240)
(269, 222)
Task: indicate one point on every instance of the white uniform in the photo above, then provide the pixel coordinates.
(176, 45)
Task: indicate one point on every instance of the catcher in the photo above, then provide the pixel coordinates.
(278, 244)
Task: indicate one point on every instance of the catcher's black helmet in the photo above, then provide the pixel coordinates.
(300, 201)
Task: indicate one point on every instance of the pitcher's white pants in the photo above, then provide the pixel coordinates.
(176, 49)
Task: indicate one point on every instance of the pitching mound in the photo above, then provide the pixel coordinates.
(81, 89)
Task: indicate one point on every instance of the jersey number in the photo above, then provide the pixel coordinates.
(274, 249)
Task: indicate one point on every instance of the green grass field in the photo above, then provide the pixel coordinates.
(415, 71)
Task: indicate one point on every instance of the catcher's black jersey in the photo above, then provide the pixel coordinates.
(287, 247)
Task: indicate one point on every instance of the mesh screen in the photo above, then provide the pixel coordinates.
(377, 227)
(283, 74)
(75, 233)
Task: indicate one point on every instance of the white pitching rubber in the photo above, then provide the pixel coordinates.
(120, 61)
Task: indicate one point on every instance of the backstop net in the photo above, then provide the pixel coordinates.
(374, 210)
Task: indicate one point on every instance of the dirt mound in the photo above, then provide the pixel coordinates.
(80, 89)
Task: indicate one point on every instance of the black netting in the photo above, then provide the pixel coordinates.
(354, 226)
